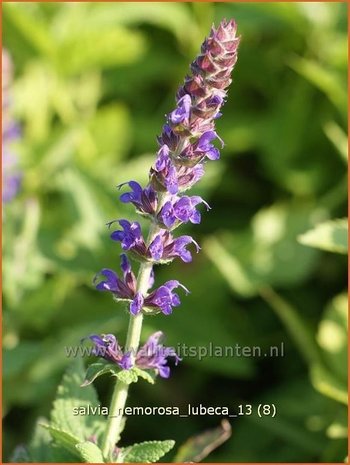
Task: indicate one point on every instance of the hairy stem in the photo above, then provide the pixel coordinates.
(120, 393)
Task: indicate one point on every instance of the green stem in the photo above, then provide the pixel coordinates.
(120, 393)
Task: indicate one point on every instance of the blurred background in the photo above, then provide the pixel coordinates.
(91, 85)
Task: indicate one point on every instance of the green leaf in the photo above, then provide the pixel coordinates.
(34, 31)
(89, 452)
(324, 79)
(339, 427)
(338, 137)
(332, 336)
(266, 253)
(146, 375)
(127, 376)
(70, 397)
(63, 438)
(40, 445)
(102, 48)
(43, 449)
(331, 236)
(328, 384)
(146, 452)
(97, 369)
(330, 375)
(198, 447)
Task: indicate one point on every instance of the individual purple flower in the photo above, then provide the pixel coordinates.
(182, 113)
(130, 237)
(181, 210)
(145, 200)
(151, 356)
(165, 247)
(121, 288)
(106, 346)
(163, 298)
(202, 148)
(165, 171)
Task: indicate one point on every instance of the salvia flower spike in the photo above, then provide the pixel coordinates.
(187, 142)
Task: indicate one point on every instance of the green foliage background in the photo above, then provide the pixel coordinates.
(92, 85)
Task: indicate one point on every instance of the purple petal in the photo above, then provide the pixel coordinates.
(136, 304)
(156, 248)
(167, 214)
(163, 158)
(171, 181)
(126, 363)
(182, 112)
(125, 264)
(164, 371)
(213, 154)
(111, 282)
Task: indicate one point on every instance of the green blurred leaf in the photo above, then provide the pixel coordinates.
(63, 438)
(30, 27)
(146, 452)
(328, 384)
(88, 49)
(98, 369)
(198, 447)
(89, 452)
(324, 79)
(330, 376)
(267, 253)
(331, 236)
(338, 137)
(71, 396)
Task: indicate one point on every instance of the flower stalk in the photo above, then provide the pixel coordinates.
(120, 392)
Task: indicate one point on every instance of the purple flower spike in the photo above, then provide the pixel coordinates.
(185, 145)
(190, 128)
